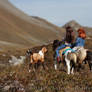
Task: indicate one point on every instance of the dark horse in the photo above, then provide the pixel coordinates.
(89, 59)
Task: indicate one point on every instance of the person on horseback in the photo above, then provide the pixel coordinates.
(80, 41)
(68, 40)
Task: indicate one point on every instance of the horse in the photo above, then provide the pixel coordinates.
(37, 57)
(88, 59)
(81, 55)
(70, 58)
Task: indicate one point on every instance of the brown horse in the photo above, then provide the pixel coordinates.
(36, 57)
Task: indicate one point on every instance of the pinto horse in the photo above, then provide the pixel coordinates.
(70, 57)
(36, 57)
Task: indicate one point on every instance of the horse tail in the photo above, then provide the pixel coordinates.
(29, 52)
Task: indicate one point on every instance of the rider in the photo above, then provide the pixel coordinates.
(68, 40)
(80, 41)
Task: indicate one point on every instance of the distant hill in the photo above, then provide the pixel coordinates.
(17, 29)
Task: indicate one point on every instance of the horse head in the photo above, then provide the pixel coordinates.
(44, 50)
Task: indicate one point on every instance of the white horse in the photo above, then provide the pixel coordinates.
(70, 59)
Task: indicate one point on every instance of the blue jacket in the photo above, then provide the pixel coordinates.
(80, 42)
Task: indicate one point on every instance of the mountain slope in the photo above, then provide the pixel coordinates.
(21, 29)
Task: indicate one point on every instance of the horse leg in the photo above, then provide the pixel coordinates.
(72, 70)
(90, 65)
(79, 67)
(73, 67)
(68, 65)
(36, 66)
(43, 65)
(30, 65)
(55, 64)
